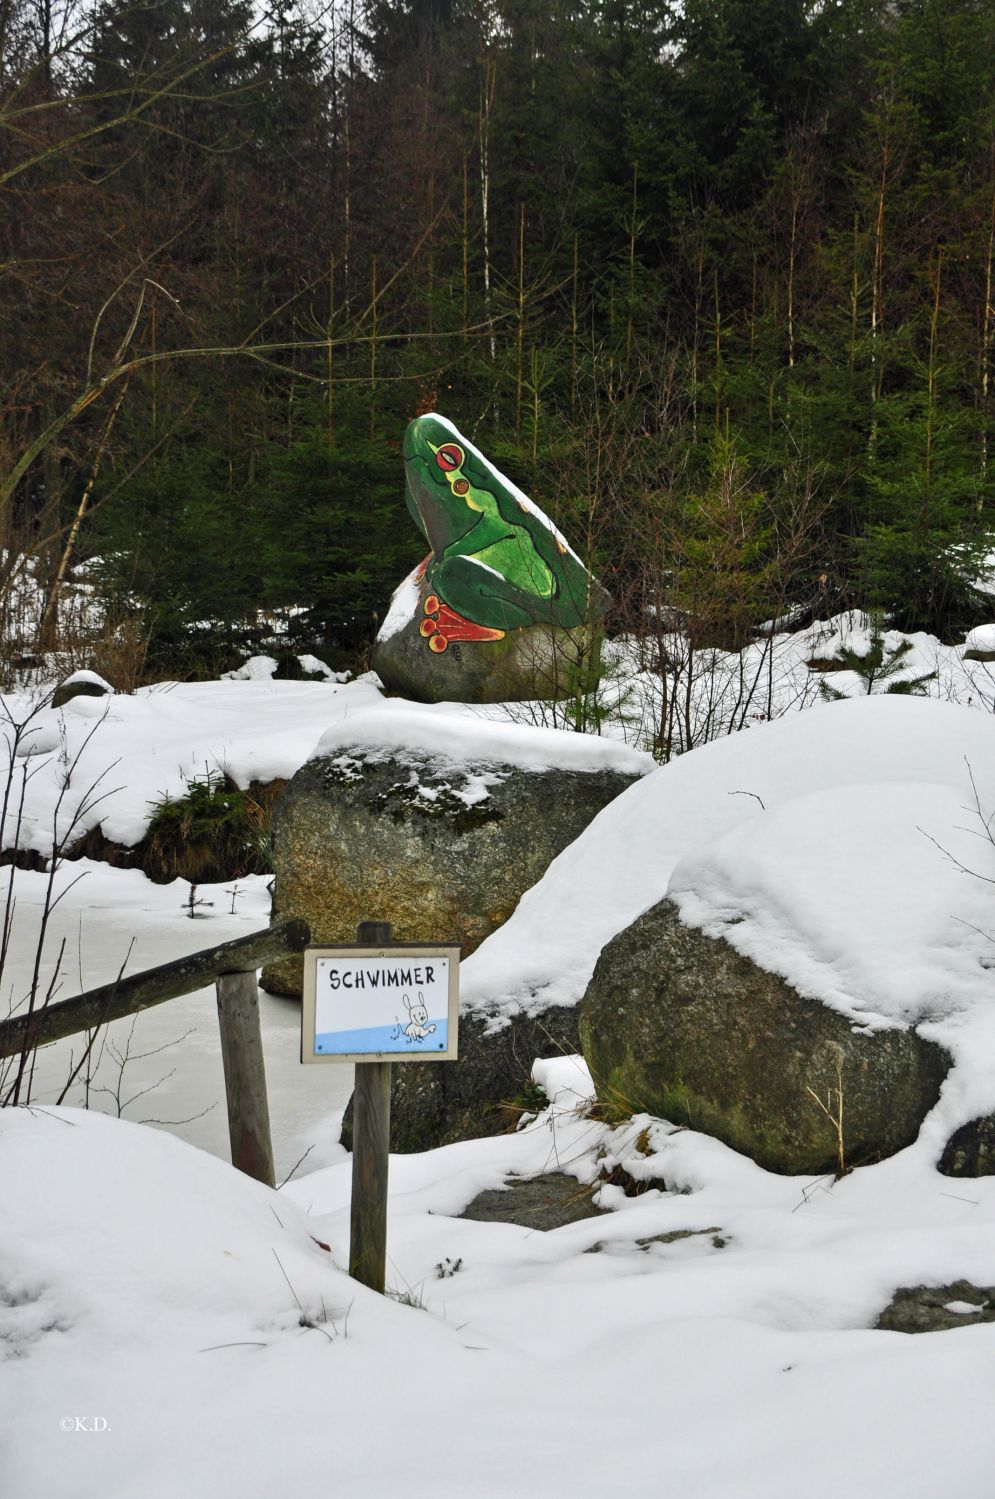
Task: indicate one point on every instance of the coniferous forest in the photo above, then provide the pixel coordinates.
(712, 281)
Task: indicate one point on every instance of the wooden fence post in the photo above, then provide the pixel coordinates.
(245, 1076)
(370, 1151)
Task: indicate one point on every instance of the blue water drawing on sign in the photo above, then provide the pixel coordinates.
(385, 1038)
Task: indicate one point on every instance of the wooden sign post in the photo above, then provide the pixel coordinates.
(370, 1151)
(373, 1004)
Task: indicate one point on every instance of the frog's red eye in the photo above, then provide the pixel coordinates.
(449, 457)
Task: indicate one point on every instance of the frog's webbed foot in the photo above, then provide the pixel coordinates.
(442, 625)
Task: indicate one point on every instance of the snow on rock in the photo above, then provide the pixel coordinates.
(845, 893)
(149, 744)
(832, 847)
(261, 669)
(403, 605)
(124, 754)
(565, 1081)
(92, 677)
(981, 638)
(315, 667)
(256, 669)
(454, 734)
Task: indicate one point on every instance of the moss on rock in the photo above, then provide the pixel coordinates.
(684, 1027)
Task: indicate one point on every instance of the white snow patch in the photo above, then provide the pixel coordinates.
(125, 753)
(566, 1082)
(256, 669)
(318, 668)
(195, 1313)
(403, 606)
(92, 677)
(160, 1291)
(476, 788)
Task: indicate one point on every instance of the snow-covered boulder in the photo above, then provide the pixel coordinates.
(80, 684)
(844, 849)
(979, 644)
(434, 821)
(682, 1026)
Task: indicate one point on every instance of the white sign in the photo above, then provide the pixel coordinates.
(390, 1004)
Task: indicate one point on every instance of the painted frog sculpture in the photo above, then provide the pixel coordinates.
(497, 563)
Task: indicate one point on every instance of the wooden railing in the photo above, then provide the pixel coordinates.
(232, 968)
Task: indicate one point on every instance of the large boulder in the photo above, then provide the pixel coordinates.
(434, 822)
(502, 609)
(483, 1093)
(683, 1026)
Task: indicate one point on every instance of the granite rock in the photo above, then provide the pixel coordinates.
(684, 1027)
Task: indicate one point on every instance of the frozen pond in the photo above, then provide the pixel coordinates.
(164, 1065)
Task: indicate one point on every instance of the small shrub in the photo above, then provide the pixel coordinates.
(214, 832)
(531, 1098)
(526, 1104)
(877, 665)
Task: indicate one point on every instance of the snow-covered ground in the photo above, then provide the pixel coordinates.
(168, 1327)
(175, 1329)
(706, 694)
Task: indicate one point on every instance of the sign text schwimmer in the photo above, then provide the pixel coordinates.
(366, 977)
(396, 1003)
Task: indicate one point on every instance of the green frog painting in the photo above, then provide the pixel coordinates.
(497, 563)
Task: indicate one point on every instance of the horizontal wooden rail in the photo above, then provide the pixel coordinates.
(140, 991)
